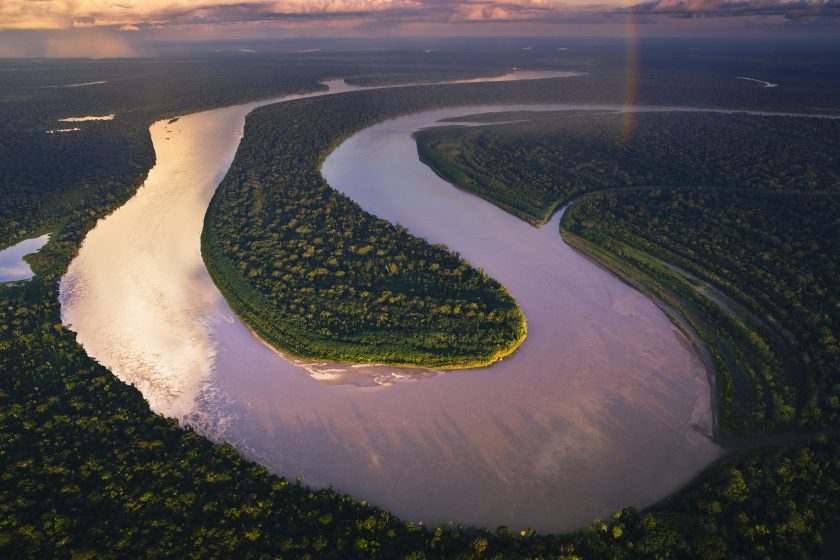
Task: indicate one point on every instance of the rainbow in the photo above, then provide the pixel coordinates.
(631, 97)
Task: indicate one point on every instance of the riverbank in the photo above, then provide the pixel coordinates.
(765, 309)
(600, 358)
(402, 303)
(13, 260)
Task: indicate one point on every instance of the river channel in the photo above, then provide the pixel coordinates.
(604, 405)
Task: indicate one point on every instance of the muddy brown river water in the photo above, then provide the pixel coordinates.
(604, 406)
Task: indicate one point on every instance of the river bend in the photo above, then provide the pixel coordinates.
(604, 406)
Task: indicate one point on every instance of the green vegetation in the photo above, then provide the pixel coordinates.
(742, 247)
(774, 254)
(277, 239)
(316, 275)
(530, 167)
(44, 178)
(88, 471)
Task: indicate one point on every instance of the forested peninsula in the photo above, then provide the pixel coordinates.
(730, 219)
(88, 471)
(734, 239)
(277, 241)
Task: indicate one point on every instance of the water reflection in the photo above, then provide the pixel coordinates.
(601, 408)
(12, 265)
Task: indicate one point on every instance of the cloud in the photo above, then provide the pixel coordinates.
(137, 15)
(505, 11)
(791, 9)
(52, 14)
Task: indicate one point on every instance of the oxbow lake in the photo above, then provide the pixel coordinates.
(12, 265)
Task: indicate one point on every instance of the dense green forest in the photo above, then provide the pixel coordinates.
(773, 256)
(316, 275)
(105, 162)
(547, 158)
(277, 239)
(746, 208)
(44, 177)
(88, 471)
(730, 221)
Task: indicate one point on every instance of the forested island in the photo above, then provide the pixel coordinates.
(88, 471)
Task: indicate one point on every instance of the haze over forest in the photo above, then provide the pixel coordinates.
(96, 28)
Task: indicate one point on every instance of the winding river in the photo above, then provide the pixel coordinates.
(604, 406)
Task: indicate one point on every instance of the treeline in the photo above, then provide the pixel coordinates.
(88, 471)
(140, 91)
(531, 167)
(399, 76)
(35, 197)
(773, 253)
(738, 212)
(278, 241)
(45, 176)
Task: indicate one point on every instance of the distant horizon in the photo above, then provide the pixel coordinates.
(50, 28)
(101, 48)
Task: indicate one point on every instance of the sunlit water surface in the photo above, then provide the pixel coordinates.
(603, 406)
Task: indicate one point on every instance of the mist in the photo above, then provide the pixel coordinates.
(71, 43)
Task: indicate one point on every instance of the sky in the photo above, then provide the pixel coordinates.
(123, 27)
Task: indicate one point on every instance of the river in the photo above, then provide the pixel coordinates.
(604, 406)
